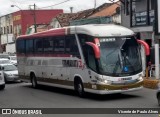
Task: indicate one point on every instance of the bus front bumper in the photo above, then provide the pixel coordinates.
(111, 89)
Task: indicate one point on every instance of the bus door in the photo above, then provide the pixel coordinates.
(90, 62)
(72, 63)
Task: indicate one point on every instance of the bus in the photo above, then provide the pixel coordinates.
(95, 58)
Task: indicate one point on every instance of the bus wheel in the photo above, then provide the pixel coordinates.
(79, 88)
(2, 87)
(33, 81)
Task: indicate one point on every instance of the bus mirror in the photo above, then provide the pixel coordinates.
(95, 48)
(96, 41)
(145, 45)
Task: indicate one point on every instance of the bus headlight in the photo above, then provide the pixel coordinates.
(102, 80)
(107, 82)
(140, 79)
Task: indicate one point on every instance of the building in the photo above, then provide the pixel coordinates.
(112, 11)
(15, 24)
(64, 19)
(105, 13)
(138, 15)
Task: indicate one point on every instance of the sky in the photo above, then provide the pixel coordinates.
(77, 5)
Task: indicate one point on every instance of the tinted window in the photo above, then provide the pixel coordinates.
(85, 38)
(38, 45)
(29, 46)
(59, 44)
(48, 45)
(20, 46)
(71, 45)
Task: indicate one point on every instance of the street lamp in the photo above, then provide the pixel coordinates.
(20, 17)
(16, 6)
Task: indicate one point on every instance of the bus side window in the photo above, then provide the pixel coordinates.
(71, 46)
(29, 46)
(59, 44)
(21, 46)
(48, 45)
(38, 44)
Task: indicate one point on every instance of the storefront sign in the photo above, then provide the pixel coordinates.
(140, 18)
(17, 17)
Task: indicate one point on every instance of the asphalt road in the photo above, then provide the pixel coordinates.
(22, 95)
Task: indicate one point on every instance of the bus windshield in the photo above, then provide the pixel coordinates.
(120, 56)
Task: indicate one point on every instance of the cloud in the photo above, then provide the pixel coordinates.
(24, 4)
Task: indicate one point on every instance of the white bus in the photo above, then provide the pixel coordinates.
(101, 59)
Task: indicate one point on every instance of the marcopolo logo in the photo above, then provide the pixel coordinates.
(6, 111)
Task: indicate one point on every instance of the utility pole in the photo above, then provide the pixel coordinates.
(157, 34)
(34, 17)
(71, 9)
(95, 4)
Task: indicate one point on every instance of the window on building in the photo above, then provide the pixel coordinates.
(4, 30)
(126, 7)
(19, 29)
(1, 30)
(15, 30)
(152, 4)
(11, 30)
(7, 29)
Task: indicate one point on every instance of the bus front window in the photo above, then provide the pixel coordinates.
(120, 56)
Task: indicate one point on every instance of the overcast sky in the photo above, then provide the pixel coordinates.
(77, 5)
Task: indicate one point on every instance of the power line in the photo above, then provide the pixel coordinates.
(55, 4)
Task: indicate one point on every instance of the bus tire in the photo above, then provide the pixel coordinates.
(34, 81)
(2, 87)
(79, 88)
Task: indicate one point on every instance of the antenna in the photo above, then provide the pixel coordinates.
(71, 8)
(95, 4)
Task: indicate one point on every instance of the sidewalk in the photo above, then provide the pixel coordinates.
(151, 82)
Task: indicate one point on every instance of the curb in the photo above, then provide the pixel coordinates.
(150, 83)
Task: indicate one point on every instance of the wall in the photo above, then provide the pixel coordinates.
(10, 48)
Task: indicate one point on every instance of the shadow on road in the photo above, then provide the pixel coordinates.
(91, 96)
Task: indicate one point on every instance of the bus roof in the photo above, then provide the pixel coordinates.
(98, 30)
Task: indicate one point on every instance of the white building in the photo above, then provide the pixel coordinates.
(6, 37)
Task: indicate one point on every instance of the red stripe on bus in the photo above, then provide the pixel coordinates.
(46, 33)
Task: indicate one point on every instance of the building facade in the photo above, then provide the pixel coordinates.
(138, 15)
(16, 24)
(104, 14)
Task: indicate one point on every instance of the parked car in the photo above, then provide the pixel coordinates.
(13, 60)
(4, 61)
(10, 72)
(2, 81)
